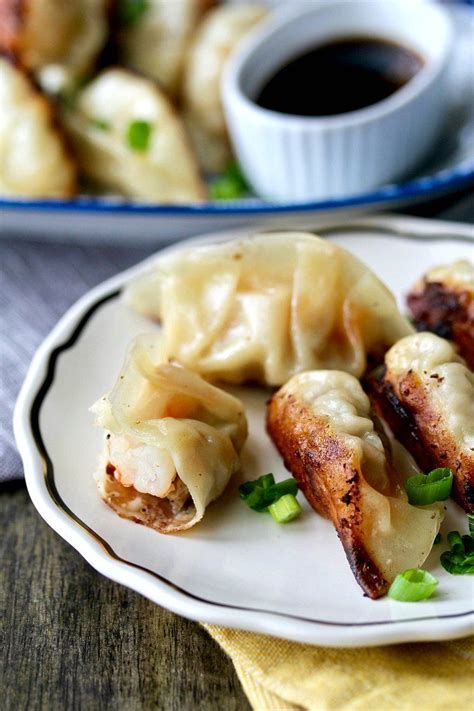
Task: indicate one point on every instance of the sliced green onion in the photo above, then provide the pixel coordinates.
(285, 509)
(263, 492)
(423, 489)
(455, 542)
(437, 539)
(460, 559)
(470, 520)
(230, 185)
(130, 11)
(413, 585)
(138, 135)
(99, 124)
(457, 564)
(468, 543)
(264, 481)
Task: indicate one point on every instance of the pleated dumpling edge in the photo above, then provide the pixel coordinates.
(266, 307)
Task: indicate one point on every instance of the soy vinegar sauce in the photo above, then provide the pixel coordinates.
(340, 76)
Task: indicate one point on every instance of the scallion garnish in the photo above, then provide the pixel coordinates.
(100, 124)
(424, 489)
(285, 509)
(262, 493)
(138, 135)
(130, 11)
(413, 585)
(470, 520)
(460, 559)
(455, 542)
(230, 185)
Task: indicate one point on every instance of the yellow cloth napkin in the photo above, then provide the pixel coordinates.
(285, 676)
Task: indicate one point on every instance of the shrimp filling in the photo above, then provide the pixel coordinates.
(149, 469)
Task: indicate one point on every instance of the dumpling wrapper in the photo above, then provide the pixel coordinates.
(214, 41)
(39, 33)
(156, 44)
(165, 171)
(425, 392)
(33, 158)
(267, 307)
(172, 444)
(443, 302)
(320, 422)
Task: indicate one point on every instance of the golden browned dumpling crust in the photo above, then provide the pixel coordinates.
(165, 515)
(322, 466)
(321, 423)
(44, 32)
(429, 407)
(443, 302)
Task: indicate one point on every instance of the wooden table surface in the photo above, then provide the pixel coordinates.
(71, 639)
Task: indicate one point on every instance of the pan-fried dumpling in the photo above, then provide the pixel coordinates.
(33, 158)
(425, 392)
(443, 302)
(128, 138)
(172, 441)
(39, 33)
(216, 38)
(155, 41)
(320, 422)
(267, 307)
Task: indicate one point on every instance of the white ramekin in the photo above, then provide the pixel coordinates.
(297, 158)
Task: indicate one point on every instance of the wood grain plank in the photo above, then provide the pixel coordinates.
(72, 639)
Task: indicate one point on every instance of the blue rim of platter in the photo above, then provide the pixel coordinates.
(424, 187)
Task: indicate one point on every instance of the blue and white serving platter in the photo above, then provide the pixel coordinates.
(89, 219)
(235, 568)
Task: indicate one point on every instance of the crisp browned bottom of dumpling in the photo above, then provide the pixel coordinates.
(407, 406)
(446, 311)
(324, 469)
(165, 515)
(37, 33)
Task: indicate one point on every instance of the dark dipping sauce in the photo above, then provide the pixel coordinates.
(341, 76)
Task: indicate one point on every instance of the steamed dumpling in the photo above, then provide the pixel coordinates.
(267, 307)
(426, 394)
(39, 33)
(443, 302)
(33, 158)
(128, 138)
(172, 442)
(320, 422)
(156, 42)
(218, 35)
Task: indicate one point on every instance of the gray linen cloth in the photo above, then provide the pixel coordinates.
(39, 282)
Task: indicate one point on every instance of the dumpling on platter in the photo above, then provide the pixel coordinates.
(39, 33)
(153, 38)
(128, 138)
(443, 302)
(321, 424)
(33, 157)
(172, 441)
(217, 36)
(425, 392)
(269, 306)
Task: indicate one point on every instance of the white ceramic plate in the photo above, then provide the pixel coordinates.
(117, 220)
(236, 568)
